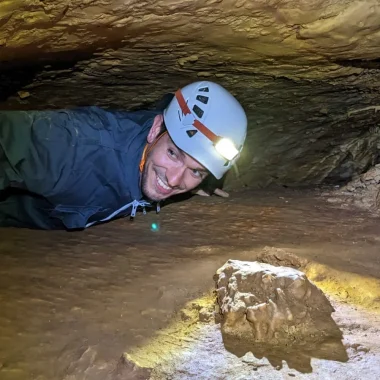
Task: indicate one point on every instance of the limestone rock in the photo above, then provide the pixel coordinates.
(287, 36)
(274, 305)
(363, 191)
(280, 257)
(128, 369)
(23, 94)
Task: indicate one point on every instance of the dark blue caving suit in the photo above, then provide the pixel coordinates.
(69, 169)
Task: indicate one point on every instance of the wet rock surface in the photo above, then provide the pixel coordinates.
(72, 303)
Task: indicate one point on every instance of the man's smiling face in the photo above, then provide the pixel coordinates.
(168, 170)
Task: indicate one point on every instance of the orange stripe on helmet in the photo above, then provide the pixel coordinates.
(203, 129)
(197, 124)
(182, 103)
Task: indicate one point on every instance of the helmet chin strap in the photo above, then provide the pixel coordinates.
(147, 149)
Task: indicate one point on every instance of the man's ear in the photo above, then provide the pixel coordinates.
(156, 128)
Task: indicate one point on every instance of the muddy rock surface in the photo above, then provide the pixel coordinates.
(73, 303)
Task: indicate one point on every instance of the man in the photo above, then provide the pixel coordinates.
(71, 169)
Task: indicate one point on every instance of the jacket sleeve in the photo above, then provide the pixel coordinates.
(28, 211)
(32, 165)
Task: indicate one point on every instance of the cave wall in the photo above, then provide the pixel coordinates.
(305, 71)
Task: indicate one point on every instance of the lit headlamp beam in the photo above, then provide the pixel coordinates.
(226, 148)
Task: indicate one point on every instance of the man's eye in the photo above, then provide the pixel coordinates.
(171, 152)
(196, 173)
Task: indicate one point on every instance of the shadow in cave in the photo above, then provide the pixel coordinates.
(373, 64)
(15, 75)
(297, 355)
(13, 80)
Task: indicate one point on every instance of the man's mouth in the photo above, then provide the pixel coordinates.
(162, 187)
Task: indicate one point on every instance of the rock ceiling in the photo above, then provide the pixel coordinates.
(306, 71)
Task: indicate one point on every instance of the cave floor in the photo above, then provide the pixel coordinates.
(72, 303)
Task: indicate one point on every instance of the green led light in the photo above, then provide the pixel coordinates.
(154, 227)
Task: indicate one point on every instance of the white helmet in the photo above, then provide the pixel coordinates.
(209, 124)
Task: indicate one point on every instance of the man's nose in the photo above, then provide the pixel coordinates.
(174, 177)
